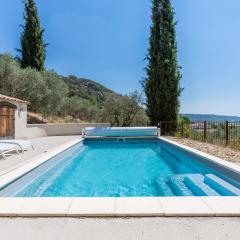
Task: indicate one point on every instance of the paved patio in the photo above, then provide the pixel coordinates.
(120, 229)
(41, 145)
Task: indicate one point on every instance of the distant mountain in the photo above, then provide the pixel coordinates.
(211, 117)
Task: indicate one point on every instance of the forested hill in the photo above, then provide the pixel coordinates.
(87, 89)
(57, 98)
(211, 117)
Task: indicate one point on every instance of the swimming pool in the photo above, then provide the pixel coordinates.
(125, 168)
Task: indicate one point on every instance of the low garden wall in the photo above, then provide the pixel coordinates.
(62, 129)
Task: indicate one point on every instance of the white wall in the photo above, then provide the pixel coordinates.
(62, 129)
(28, 131)
(21, 129)
(20, 118)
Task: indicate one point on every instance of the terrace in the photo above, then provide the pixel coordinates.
(144, 228)
(137, 206)
(29, 217)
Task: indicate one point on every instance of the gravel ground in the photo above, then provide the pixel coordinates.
(226, 153)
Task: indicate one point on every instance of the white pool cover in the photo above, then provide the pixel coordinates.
(121, 132)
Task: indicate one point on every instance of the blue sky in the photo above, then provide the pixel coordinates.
(107, 41)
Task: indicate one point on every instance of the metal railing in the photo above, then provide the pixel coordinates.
(224, 133)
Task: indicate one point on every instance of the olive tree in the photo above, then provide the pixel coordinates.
(122, 111)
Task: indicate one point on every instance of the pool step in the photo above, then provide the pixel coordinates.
(195, 182)
(178, 186)
(195, 185)
(162, 187)
(221, 185)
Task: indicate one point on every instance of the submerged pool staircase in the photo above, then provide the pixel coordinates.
(195, 185)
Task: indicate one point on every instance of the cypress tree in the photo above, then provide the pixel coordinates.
(33, 48)
(162, 84)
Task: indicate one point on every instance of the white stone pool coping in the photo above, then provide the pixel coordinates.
(115, 207)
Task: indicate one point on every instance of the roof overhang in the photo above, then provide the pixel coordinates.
(12, 99)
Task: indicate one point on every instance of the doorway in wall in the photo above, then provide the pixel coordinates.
(7, 120)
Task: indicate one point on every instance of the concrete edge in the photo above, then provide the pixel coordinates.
(120, 207)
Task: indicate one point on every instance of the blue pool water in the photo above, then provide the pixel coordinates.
(111, 168)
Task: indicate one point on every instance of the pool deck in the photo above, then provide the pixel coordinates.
(119, 228)
(41, 146)
(151, 227)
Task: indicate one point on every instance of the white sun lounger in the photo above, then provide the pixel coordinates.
(21, 144)
(7, 148)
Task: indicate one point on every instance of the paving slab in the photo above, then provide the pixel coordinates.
(120, 228)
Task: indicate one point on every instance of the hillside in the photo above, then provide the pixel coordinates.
(87, 89)
(55, 98)
(211, 117)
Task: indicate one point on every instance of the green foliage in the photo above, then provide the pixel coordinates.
(93, 102)
(141, 119)
(79, 108)
(183, 118)
(33, 48)
(9, 70)
(31, 86)
(161, 85)
(56, 93)
(125, 111)
(183, 129)
(45, 90)
(87, 89)
(53, 95)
